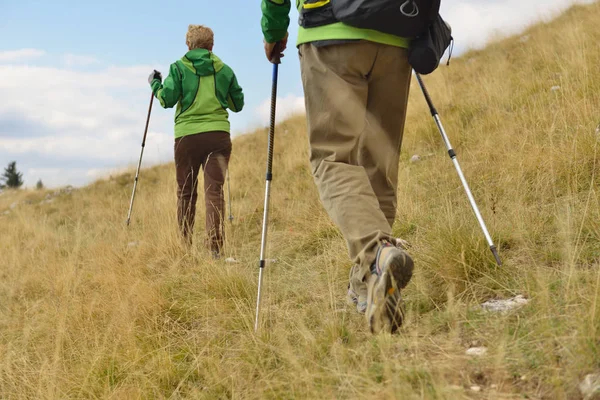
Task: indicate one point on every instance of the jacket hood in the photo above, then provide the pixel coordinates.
(202, 62)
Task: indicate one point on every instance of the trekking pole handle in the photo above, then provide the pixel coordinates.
(275, 59)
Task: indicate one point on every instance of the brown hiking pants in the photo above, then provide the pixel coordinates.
(211, 151)
(356, 98)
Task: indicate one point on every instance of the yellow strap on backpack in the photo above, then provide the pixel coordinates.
(317, 4)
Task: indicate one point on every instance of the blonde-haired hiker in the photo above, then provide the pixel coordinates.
(203, 88)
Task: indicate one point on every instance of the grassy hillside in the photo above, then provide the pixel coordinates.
(91, 309)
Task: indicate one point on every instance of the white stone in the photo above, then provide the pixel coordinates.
(555, 88)
(231, 260)
(415, 158)
(477, 351)
(590, 387)
(476, 388)
(133, 244)
(505, 305)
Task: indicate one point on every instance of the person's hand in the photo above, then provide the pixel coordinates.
(274, 51)
(155, 75)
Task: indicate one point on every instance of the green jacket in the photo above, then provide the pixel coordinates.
(275, 22)
(203, 88)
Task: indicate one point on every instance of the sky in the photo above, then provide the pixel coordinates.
(73, 74)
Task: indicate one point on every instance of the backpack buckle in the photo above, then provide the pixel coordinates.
(411, 14)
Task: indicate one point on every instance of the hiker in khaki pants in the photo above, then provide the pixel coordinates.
(203, 88)
(356, 85)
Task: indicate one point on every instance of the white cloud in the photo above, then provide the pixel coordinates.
(474, 22)
(286, 107)
(60, 124)
(20, 55)
(73, 60)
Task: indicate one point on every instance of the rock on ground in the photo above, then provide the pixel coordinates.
(505, 305)
(415, 158)
(590, 387)
(477, 351)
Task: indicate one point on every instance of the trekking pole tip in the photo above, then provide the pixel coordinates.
(496, 256)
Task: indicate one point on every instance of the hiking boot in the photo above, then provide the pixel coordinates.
(391, 272)
(357, 290)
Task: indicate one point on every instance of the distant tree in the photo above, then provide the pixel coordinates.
(39, 185)
(11, 177)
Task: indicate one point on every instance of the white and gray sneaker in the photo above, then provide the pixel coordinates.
(358, 294)
(391, 272)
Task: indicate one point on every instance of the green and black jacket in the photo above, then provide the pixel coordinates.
(203, 88)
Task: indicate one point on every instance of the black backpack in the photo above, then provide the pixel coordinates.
(406, 18)
(416, 19)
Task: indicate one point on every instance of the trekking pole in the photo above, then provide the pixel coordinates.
(137, 174)
(229, 197)
(269, 178)
(452, 155)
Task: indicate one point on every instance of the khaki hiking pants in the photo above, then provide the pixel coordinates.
(356, 97)
(209, 151)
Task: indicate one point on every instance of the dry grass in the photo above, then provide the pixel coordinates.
(85, 315)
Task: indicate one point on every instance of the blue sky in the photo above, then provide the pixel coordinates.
(132, 32)
(127, 33)
(73, 74)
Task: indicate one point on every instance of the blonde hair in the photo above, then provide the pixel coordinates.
(199, 37)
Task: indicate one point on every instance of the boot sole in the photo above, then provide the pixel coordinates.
(385, 307)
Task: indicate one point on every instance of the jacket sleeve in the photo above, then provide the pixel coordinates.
(275, 19)
(168, 92)
(235, 97)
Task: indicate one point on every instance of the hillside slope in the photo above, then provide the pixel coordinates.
(91, 309)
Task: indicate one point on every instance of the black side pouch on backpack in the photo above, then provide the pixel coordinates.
(316, 13)
(426, 51)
